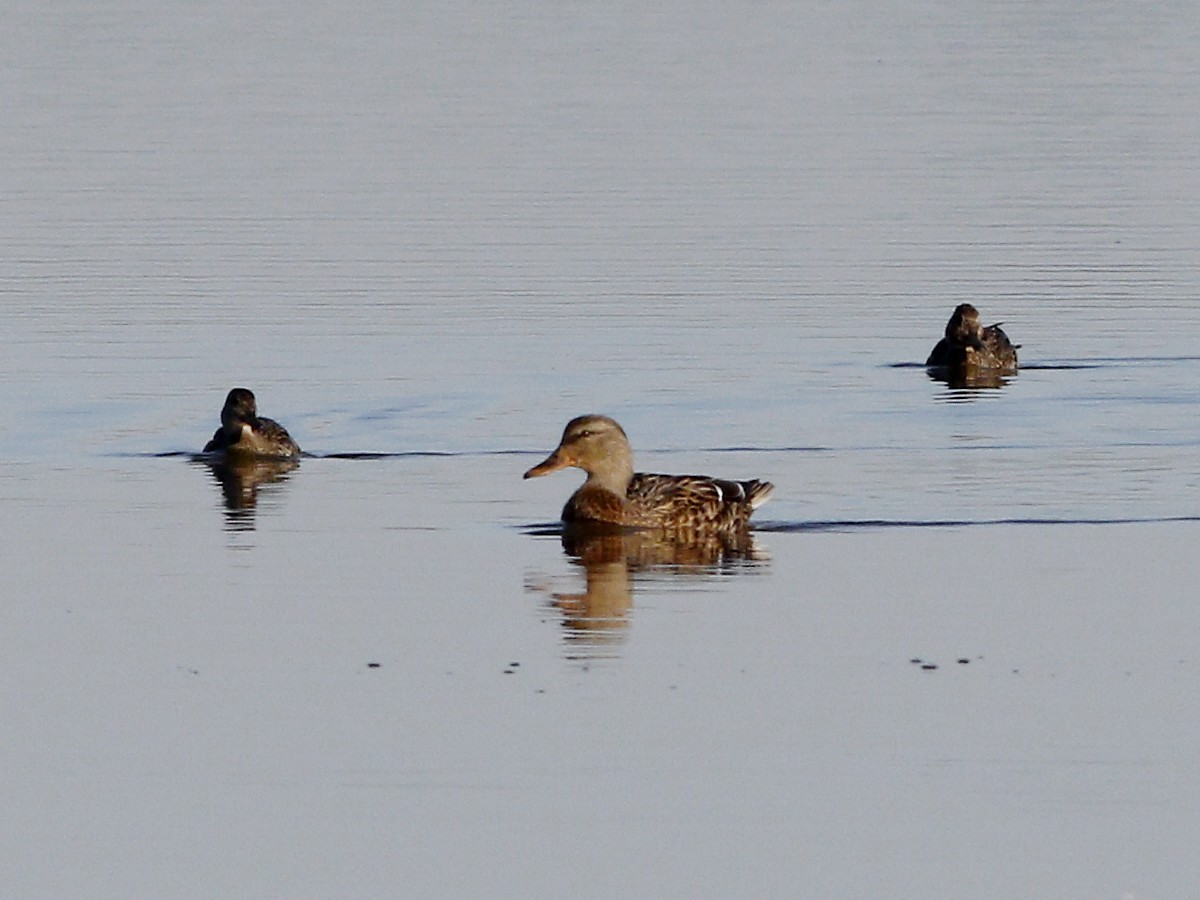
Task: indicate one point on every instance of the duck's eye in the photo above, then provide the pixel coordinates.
(583, 434)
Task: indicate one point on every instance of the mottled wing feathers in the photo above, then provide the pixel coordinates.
(667, 498)
(276, 434)
(998, 344)
(696, 502)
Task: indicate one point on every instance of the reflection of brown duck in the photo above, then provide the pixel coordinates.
(607, 597)
(614, 495)
(240, 479)
(655, 550)
(611, 559)
(244, 433)
(969, 348)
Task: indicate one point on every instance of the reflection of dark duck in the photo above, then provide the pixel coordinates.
(613, 495)
(241, 478)
(244, 433)
(969, 348)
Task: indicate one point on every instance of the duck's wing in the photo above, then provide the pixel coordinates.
(276, 437)
(696, 501)
(940, 354)
(999, 345)
(217, 443)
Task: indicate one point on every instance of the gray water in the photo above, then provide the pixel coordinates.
(959, 660)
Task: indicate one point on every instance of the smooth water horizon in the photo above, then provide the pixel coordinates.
(956, 657)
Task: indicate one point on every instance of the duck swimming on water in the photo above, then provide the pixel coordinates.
(967, 347)
(244, 433)
(614, 495)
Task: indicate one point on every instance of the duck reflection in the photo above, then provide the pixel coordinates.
(614, 560)
(240, 479)
(970, 379)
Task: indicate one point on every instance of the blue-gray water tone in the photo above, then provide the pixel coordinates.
(959, 658)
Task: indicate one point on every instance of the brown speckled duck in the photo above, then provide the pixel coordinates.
(968, 347)
(613, 495)
(244, 433)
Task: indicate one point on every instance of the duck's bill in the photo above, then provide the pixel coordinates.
(551, 463)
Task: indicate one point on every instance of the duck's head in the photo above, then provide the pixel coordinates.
(240, 409)
(963, 327)
(596, 444)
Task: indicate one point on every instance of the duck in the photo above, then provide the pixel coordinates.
(615, 496)
(243, 433)
(969, 347)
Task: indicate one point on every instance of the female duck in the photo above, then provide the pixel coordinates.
(614, 495)
(244, 433)
(968, 347)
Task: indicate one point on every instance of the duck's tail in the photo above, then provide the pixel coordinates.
(757, 492)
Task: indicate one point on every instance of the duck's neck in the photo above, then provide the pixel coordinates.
(613, 473)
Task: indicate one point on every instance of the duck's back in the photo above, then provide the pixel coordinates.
(993, 351)
(1003, 351)
(269, 439)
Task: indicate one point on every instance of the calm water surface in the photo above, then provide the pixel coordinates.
(958, 659)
